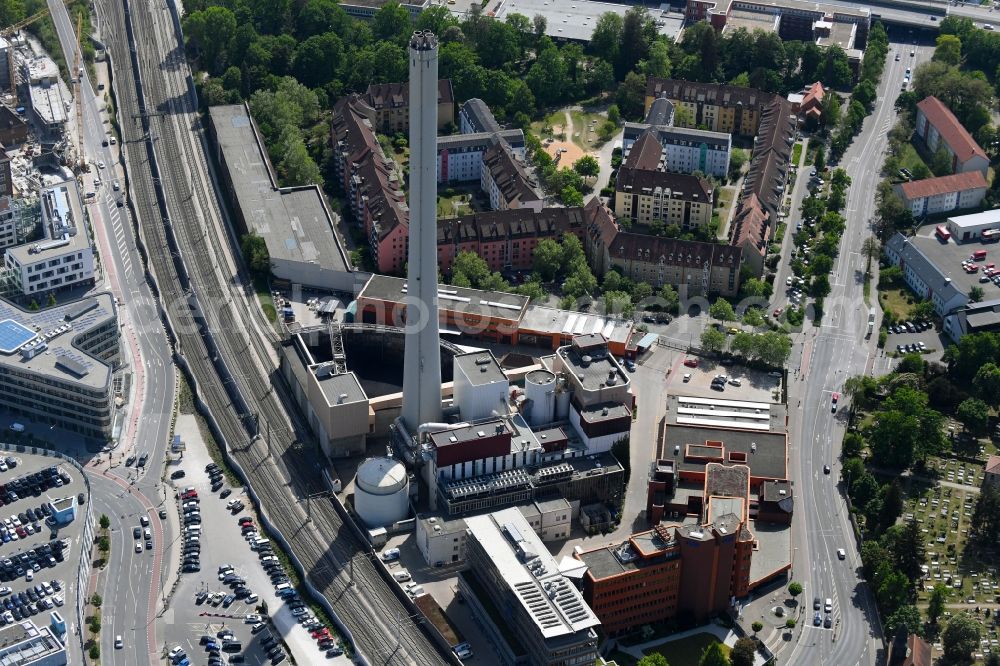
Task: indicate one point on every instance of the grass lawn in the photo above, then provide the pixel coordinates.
(896, 300)
(909, 158)
(725, 200)
(264, 296)
(686, 651)
(796, 152)
(453, 206)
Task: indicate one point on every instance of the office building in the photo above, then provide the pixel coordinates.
(932, 196)
(924, 274)
(391, 103)
(25, 644)
(717, 107)
(294, 222)
(56, 364)
(13, 128)
(982, 317)
(938, 127)
(530, 612)
(685, 150)
(476, 116)
(63, 258)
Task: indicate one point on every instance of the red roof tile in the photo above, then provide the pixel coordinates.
(947, 125)
(928, 187)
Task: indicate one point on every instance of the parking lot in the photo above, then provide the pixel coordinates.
(441, 583)
(207, 604)
(949, 256)
(39, 559)
(741, 383)
(934, 342)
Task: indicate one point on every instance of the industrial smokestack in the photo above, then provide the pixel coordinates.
(422, 359)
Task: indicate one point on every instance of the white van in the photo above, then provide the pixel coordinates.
(281, 587)
(17, 427)
(193, 529)
(401, 576)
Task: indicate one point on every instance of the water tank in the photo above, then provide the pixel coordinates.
(382, 490)
(540, 389)
(562, 400)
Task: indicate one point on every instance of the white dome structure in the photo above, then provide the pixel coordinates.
(381, 495)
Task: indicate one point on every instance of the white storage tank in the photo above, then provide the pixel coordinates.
(381, 492)
(540, 389)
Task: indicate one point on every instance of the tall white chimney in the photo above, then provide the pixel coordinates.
(422, 359)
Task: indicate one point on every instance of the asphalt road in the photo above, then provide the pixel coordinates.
(130, 586)
(829, 355)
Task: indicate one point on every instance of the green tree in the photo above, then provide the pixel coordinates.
(974, 415)
(986, 517)
(614, 115)
(790, 623)
(618, 303)
(607, 36)
(744, 652)
(908, 549)
(948, 50)
(547, 259)
(255, 253)
(713, 656)
(209, 32)
(892, 505)
(631, 95)
(105, 522)
(670, 298)
(936, 602)
(940, 162)
(757, 626)
(655, 658)
(96, 600)
(391, 22)
(722, 310)
(906, 618)
(960, 638)
(976, 294)
(587, 166)
(713, 340)
(795, 589)
(987, 383)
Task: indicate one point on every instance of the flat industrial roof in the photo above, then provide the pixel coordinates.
(593, 368)
(481, 367)
(551, 321)
(294, 222)
(948, 257)
(496, 304)
(58, 328)
(346, 385)
(576, 19)
(976, 219)
(768, 460)
(719, 413)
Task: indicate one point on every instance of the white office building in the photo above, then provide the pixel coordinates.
(64, 257)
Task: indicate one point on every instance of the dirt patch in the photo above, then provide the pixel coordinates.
(564, 152)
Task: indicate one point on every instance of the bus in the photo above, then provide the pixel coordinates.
(942, 232)
(871, 323)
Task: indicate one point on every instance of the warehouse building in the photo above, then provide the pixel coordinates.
(294, 222)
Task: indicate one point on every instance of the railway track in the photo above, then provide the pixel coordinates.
(229, 354)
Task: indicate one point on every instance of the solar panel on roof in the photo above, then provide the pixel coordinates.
(13, 335)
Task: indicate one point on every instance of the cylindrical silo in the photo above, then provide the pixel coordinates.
(381, 492)
(540, 388)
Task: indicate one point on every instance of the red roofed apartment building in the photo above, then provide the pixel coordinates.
(943, 195)
(938, 126)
